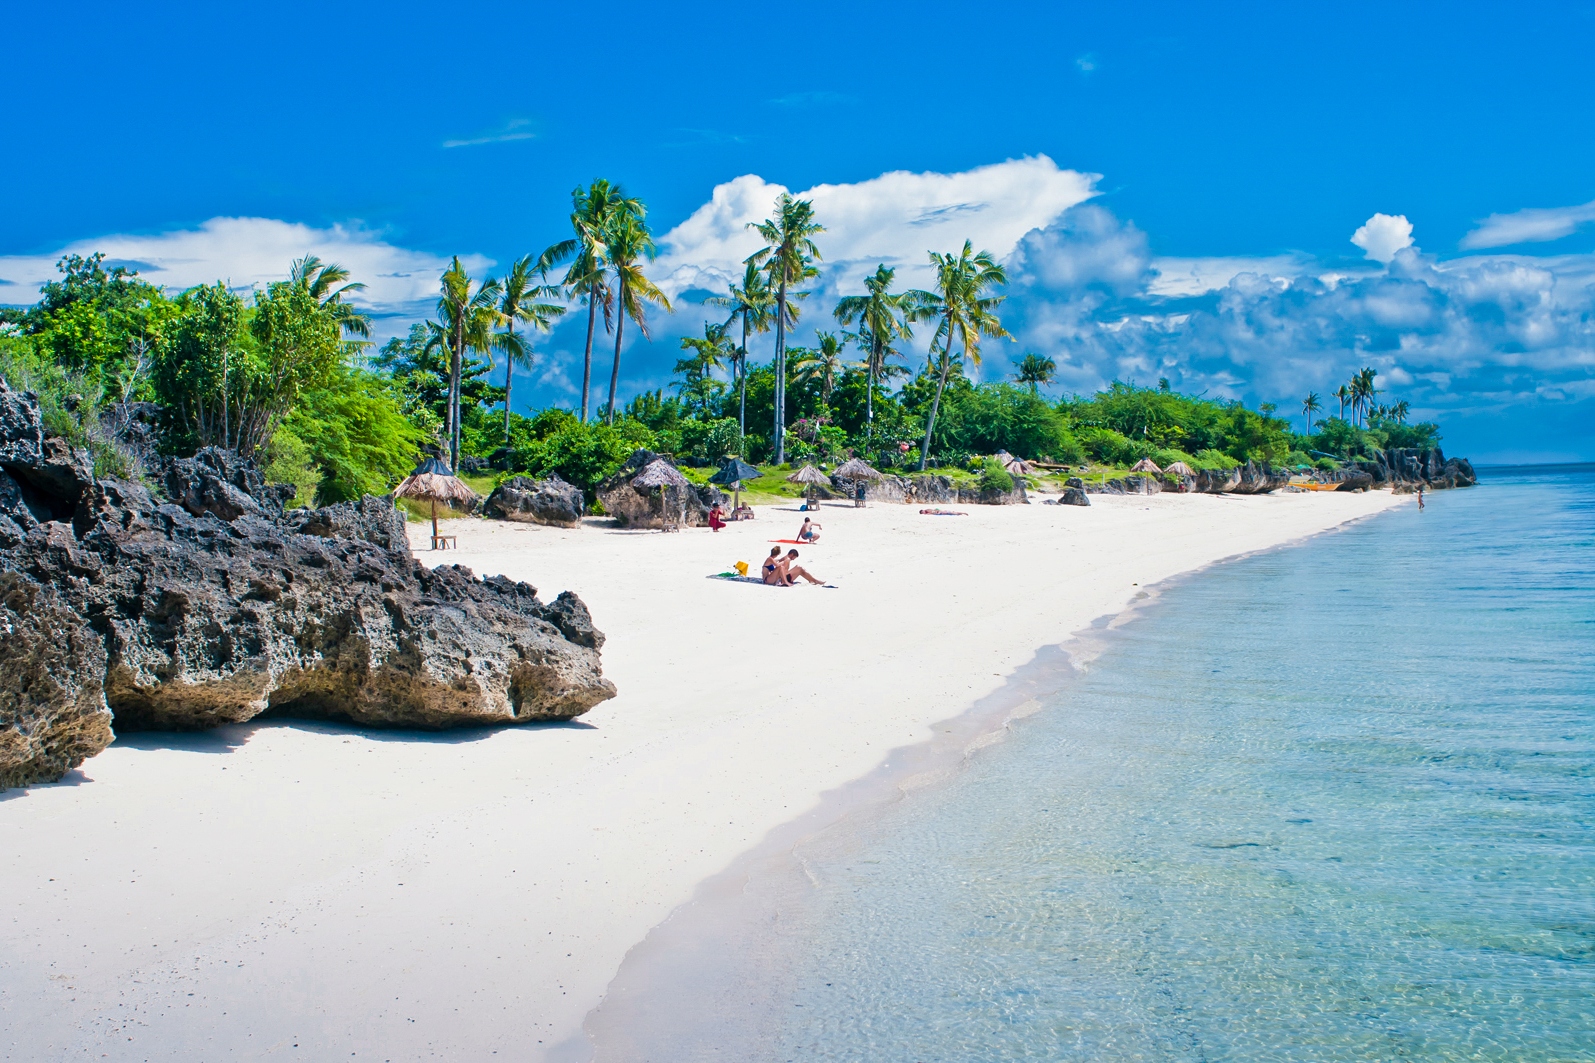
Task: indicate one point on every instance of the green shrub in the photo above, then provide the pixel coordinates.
(993, 477)
(1216, 460)
(288, 461)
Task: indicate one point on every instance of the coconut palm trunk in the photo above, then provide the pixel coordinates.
(935, 404)
(780, 374)
(587, 355)
(509, 371)
(614, 375)
(742, 382)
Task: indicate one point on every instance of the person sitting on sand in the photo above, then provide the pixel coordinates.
(742, 512)
(810, 532)
(716, 517)
(772, 568)
(789, 571)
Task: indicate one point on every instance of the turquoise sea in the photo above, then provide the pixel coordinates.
(1333, 802)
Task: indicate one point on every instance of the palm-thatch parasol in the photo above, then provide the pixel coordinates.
(433, 482)
(854, 469)
(731, 475)
(1179, 468)
(810, 478)
(1145, 465)
(661, 474)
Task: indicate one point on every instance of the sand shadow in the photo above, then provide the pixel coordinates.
(229, 737)
(75, 777)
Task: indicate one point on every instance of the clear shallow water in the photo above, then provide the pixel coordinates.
(1334, 802)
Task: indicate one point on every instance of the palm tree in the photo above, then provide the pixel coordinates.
(788, 258)
(629, 245)
(882, 317)
(593, 210)
(1362, 393)
(1037, 370)
(326, 283)
(1309, 406)
(820, 366)
(1343, 393)
(709, 354)
(1401, 411)
(965, 312)
(466, 318)
(518, 303)
(752, 302)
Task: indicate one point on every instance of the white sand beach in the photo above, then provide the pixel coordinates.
(306, 891)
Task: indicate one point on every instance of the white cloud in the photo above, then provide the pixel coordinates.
(1198, 276)
(514, 129)
(1534, 225)
(1382, 235)
(248, 252)
(894, 218)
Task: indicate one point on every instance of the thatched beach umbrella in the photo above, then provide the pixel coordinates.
(1179, 468)
(855, 470)
(661, 474)
(1146, 465)
(433, 482)
(810, 478)
(731, 475)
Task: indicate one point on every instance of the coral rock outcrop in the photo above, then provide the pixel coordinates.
(550, 501)
(210, 605)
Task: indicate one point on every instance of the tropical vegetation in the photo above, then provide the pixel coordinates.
(287, 373)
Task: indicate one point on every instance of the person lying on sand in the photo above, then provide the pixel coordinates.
(789, 571)
(810, 532)
(772, 573)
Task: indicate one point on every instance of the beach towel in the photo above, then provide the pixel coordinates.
(732, 577)
(943, 513)
(797, 542)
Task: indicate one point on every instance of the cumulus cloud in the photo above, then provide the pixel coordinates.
(1534, 225)
(250, 252)
(894, 218)
(1382, 235)
(1198, 276)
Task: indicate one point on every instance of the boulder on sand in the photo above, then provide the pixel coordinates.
(550, 501)
(138, 613)
(637, 507)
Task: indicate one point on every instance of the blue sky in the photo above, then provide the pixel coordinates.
(1175, 187)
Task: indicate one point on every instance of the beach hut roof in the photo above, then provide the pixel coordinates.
(1179, 468)
(809, 475)
(855, 469)
(735, 470)
(1145, 465)
(660, 473)
(433, 482)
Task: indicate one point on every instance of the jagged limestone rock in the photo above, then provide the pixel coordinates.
(216, 607)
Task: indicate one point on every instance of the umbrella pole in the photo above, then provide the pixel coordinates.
(434, 524)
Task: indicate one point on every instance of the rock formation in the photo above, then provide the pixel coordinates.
(210, 605)
(1409, 465)
(550, 501)
(1248, 479)
(645, 508)
(929, 488)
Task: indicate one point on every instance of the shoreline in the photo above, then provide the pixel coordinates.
(683, 961)
(476, 893)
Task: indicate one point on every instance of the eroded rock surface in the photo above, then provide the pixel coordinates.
(550, 501)
(634, 507)
(125, 609)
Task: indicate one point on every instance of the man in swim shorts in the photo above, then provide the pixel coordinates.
(789, 571)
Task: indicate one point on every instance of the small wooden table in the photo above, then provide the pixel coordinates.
(444, 542)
